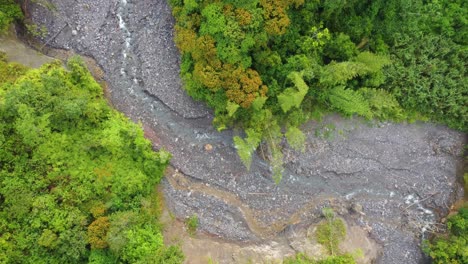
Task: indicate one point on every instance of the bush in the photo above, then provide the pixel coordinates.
(74, 173)
(304, 259)
(192, 224)
(9, 12)
(331, 232)
(451, 248)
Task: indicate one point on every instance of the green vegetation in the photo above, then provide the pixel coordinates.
(452, 247)
(268, 66)
(9, 12)
(329, 233)
(77, 178)
(465, 179)
(36, 31)
(192, 224)
(304, 259)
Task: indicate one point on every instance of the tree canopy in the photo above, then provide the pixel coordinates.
(77, 178)
(267, 65)
(9, 12)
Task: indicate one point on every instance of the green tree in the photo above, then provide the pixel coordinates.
(9, 12)
(69, 166)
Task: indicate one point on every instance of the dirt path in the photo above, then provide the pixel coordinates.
(19, 52)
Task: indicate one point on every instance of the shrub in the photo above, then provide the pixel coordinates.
(9, 12)
(452, 247)
(74, 173)
(331, 231)
(192, 224)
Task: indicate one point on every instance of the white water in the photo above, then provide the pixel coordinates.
(369, 191)
(427, 217)
(123, 27)
(122, 9)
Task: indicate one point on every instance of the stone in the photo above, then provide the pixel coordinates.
(357, 208)
(208, 147)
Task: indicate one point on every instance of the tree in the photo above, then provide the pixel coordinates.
(68, 165)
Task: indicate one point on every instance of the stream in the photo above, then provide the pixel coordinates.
(391, 183)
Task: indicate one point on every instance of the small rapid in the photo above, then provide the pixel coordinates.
(122, 14)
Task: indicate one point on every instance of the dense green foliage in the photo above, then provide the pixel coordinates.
(304, 259)
(77, 178)
(426, 41)
(453, 247)
(269, 65)
(9, 12)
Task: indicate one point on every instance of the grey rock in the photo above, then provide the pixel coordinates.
(357, 208)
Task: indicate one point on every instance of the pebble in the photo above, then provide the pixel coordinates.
(357, 208)
(208, 147)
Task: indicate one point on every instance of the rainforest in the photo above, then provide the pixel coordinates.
(268, 66)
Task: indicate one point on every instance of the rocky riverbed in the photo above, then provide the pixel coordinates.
(392, 182)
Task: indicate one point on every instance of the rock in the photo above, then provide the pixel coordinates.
(208, 147)
(357, 208)
(311, 231)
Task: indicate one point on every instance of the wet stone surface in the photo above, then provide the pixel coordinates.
(403, 176)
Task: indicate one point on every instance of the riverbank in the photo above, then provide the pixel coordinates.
(18, 52)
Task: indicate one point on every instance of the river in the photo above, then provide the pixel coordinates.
(402, 177)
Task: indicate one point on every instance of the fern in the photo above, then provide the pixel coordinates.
(373, 62)
(382, 104)
(246, 147)
(293, 97)
(277, 164)
(338, 73)
(349, 102)
(258, 103)
(231, 108)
